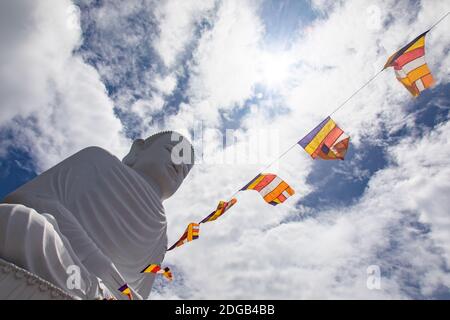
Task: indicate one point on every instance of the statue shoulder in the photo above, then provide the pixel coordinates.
(95, 151)
(82, 166)
(94, 154)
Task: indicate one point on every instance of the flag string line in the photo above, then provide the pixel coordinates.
(440, 20)
(337, 108)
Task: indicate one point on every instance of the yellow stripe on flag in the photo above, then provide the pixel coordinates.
(418, 73)
(418, 44)
(189, 235)
(276, 192)
(314, 144)
(290, 191)
(258, 180)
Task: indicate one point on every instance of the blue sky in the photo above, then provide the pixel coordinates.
(276, 65)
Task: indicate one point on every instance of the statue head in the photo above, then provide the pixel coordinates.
(164, 160)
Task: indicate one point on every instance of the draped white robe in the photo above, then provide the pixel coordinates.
(99, 214)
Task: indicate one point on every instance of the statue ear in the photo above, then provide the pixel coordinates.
(131, 157)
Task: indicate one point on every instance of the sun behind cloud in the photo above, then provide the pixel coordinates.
(274, 68)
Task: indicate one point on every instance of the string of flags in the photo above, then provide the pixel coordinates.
(191, 233)
(193, 229)
(327, 141)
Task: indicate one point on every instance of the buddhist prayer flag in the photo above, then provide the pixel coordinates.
(191, 233)
(326, 141)
(126, 291)
(221, 208)
(273, 189)
(167, 274)
(410, 66)
(156, 269)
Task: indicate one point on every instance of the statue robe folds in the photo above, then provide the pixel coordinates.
(91, 211)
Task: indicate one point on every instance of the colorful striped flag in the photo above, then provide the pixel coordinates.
(410, 66)
(126, 291)
(168, 274)
(326, 141)
(273, 189)
(191, 233)
(221, 209)
(156, 269)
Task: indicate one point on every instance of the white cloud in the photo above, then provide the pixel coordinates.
(224, 67)
(43, 81)
(177, 21)
(165, 85)
(144, 108)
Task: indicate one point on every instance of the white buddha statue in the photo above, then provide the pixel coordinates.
(98, 213)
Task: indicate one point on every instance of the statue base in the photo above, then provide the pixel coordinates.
(19, 284)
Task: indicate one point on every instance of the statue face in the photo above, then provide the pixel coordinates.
(164, 162)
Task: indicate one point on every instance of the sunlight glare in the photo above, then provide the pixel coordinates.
(274, 69)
